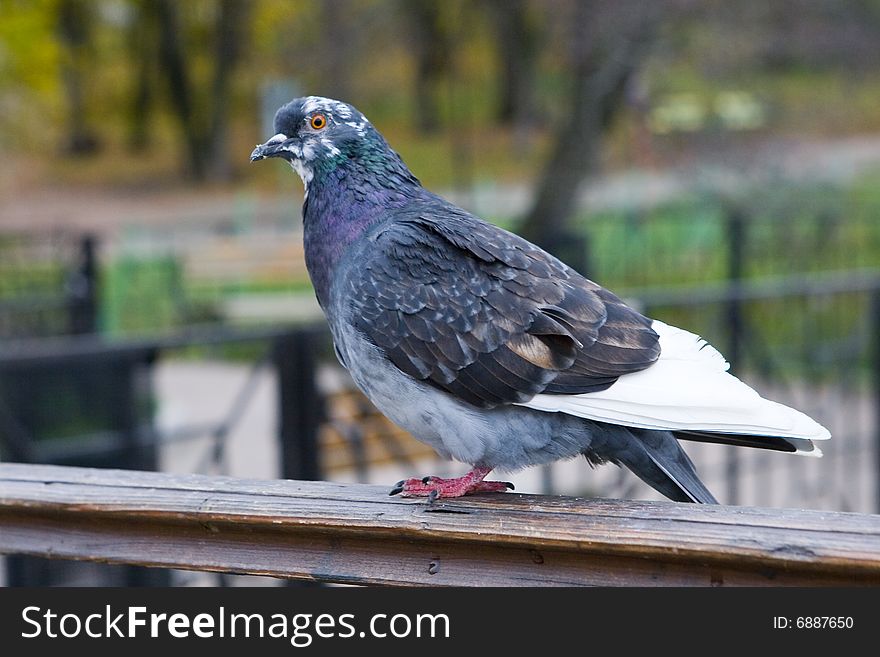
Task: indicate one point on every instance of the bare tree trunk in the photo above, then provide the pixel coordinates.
(142, 37)
(205, 125)
(231, 23)
(336, 18)
(174, 67)
(75, 33)
(433, 58)
(600, 78)
(517, 50)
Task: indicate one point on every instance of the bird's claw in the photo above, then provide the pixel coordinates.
(433, 488)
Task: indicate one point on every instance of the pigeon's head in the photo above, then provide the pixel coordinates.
(316, 134)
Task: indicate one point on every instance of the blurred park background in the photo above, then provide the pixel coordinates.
(715, 163)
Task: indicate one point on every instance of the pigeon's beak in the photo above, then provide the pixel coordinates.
(275, 147)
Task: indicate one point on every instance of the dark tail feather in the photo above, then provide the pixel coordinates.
(761, 442)
(668, 456)
(658, 460)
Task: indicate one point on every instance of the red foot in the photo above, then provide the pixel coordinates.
(434, 487)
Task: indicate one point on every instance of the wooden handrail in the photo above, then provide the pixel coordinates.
(357, 534)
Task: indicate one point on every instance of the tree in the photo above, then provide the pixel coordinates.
(609, 44)
(232, 22)
(336, 24)
(517, 42)
(142, 37)
(433, 53)
(204, 124)
(75, 26)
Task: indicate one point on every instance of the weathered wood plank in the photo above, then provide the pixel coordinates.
(357, 534)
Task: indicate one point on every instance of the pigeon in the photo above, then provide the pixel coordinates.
(489, 349)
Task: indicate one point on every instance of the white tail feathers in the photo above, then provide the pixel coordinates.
(688, 389)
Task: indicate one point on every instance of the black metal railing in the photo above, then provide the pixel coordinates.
(49, 386)
(48, 284)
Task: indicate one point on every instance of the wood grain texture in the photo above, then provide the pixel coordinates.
(357, 534)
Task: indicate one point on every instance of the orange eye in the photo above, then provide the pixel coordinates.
(318, 121)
